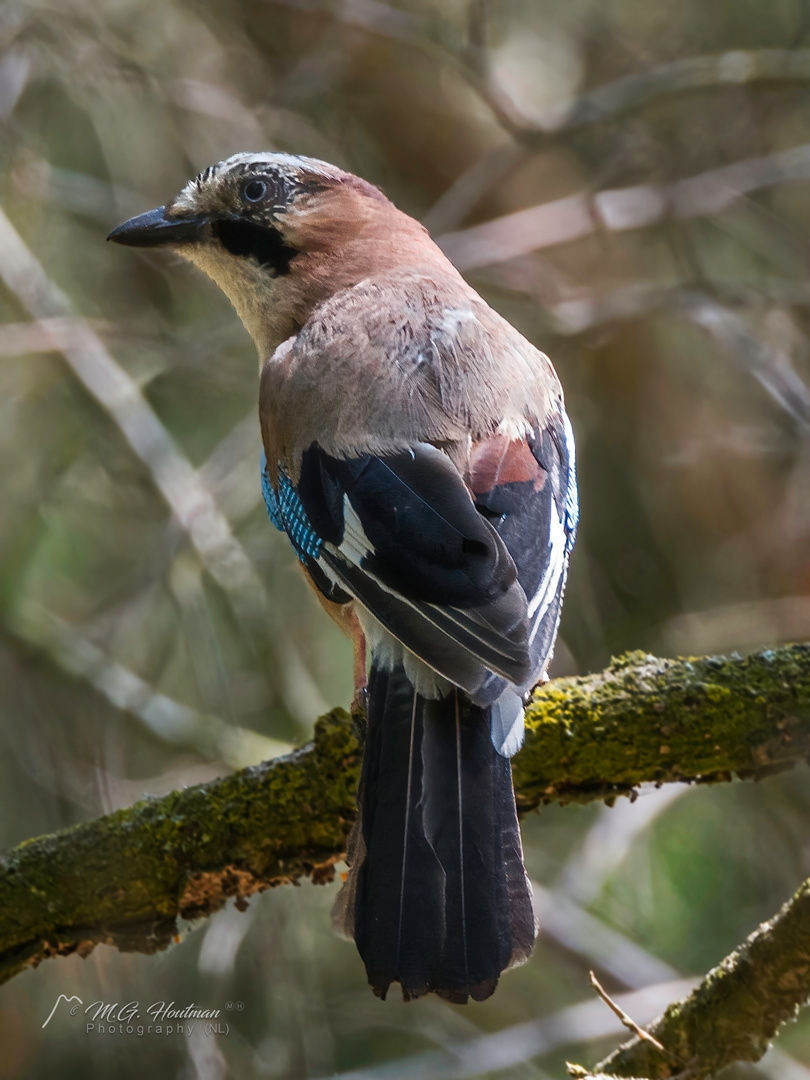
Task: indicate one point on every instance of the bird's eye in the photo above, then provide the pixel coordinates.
(254, 190)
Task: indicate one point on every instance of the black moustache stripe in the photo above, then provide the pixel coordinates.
(260, 242)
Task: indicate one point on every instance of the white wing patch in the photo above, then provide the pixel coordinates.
(506, 723)
(571, 495)
(547, 590)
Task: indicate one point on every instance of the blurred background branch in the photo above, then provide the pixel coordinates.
(628, 184)
(576, 216)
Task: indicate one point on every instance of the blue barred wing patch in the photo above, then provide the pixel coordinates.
(270, 500)
(288, 515)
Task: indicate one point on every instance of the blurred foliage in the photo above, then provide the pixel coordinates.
(693, 449)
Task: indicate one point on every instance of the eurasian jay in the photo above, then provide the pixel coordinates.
(418, 455)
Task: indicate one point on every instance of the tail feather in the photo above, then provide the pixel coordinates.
(437, 898)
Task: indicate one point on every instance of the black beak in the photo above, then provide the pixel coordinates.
(154, 229)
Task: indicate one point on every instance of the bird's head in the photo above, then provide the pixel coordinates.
(278, 234)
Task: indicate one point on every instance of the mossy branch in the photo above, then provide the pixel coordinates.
(126, 879)
(645, 719)
(736, 1010)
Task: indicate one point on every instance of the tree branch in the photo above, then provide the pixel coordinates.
(736, 1010)
(573, 217)
(125, 879)
(644, 719)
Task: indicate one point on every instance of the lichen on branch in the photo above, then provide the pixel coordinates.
(646, 719)
(126, 879)
(736, 1010)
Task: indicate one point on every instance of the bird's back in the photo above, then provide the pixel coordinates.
(417, 357)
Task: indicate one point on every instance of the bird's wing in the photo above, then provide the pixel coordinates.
(528, 491)
(471, 584)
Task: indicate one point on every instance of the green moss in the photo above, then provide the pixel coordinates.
(112, 878)
(736, 1010)
(663, 720)
(127, 877)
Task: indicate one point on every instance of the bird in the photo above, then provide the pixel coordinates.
(418, 455)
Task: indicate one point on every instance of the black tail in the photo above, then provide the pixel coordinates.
(437, 898)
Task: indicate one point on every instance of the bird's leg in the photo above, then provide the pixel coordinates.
(360, 699)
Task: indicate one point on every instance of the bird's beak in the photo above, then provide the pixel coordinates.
(154, 229)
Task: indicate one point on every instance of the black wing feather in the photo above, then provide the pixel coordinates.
(426, 539)
(471, 587)
(536, 517)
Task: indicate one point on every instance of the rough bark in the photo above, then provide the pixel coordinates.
(127, 878)
(645, 719)
(736, 1010)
